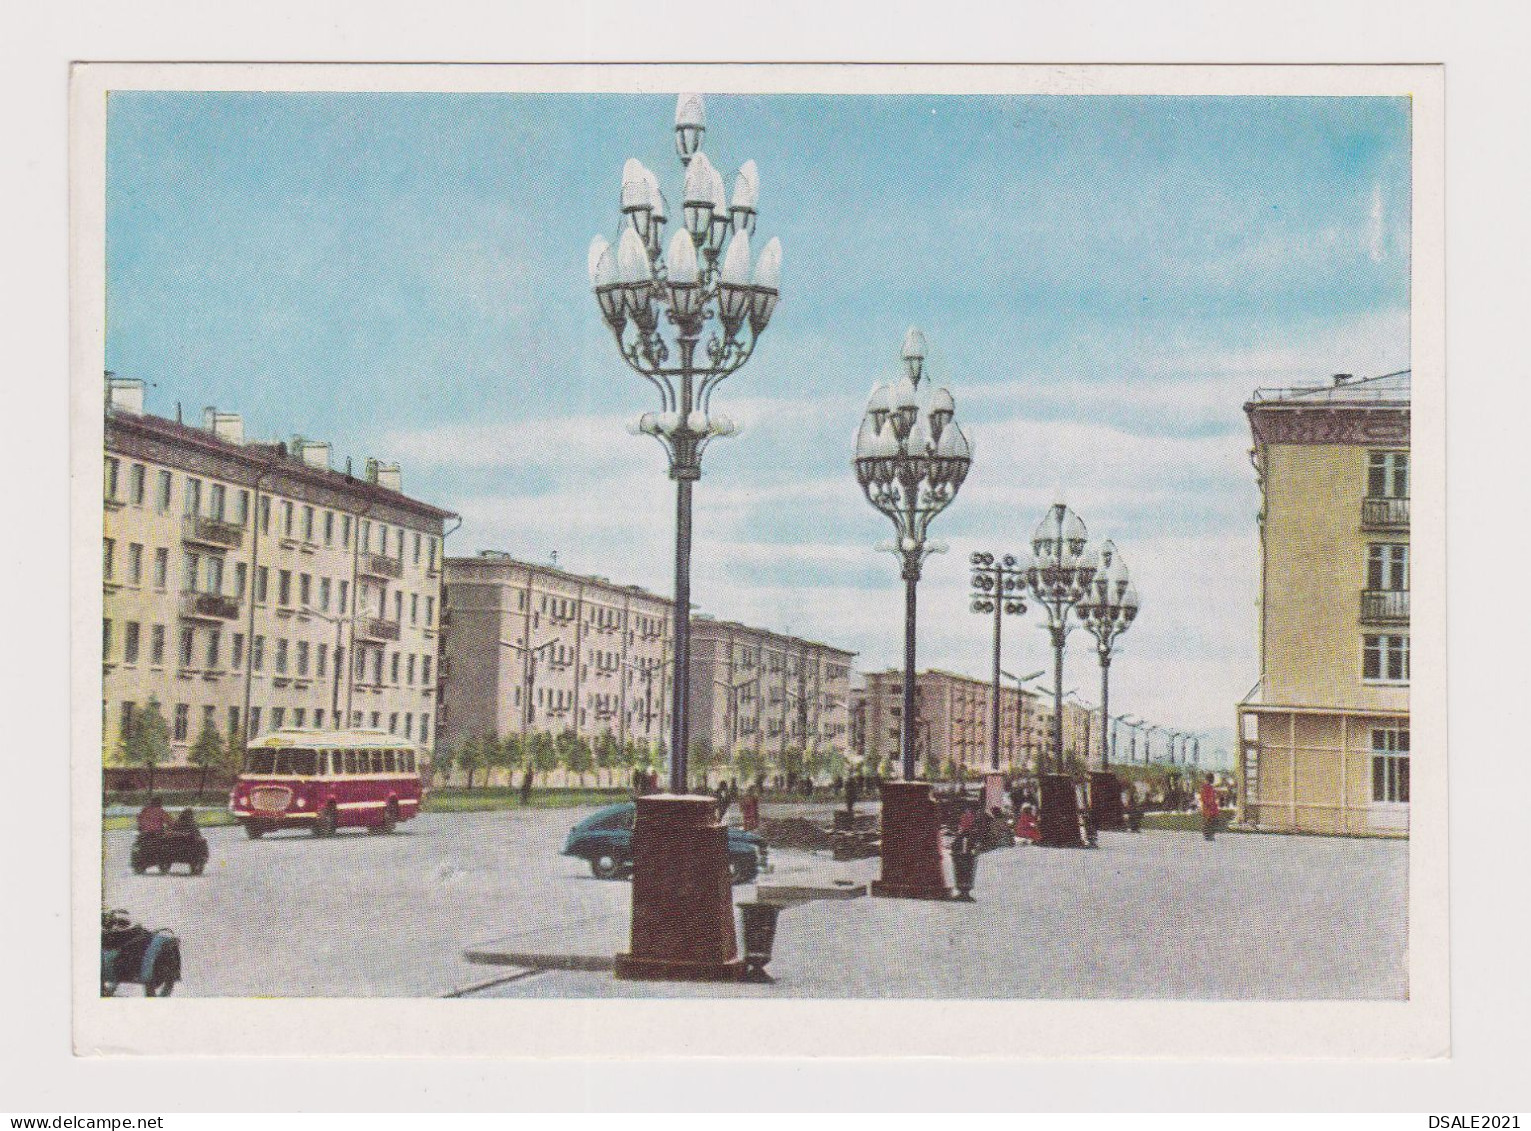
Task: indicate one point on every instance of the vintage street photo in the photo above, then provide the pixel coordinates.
(760, 535)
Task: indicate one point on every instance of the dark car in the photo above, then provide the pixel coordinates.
(605, 839)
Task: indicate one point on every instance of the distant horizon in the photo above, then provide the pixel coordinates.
(1104, 281)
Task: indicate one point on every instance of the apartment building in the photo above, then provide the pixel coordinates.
(953, 714)
(768, 692)
(1324, 736)
(250, 586)
(533, 647)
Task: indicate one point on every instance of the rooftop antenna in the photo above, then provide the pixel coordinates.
(178, 412)
(554, 557)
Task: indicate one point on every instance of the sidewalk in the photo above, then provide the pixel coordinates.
(1157, 915)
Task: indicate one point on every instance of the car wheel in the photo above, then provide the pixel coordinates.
(324, 823)
(605, 866)
(167, 969)
(253, 831)
(197, 866)
(742, 870)
(140, 867)
(390, 819)
(163, 866)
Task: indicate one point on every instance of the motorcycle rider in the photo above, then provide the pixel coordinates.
(152, 818)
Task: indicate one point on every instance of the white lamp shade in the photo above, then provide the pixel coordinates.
(914, 343)
(633, 259)
(635, 185)
(656, 198)
(600, 250)
(681, 260)
(699, 176)
(881, 399)
(904, 396)
(941, 401)
(690, 111)
(736, 261)
(768, 268)
(747, 187)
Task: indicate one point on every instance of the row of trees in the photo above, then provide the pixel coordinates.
(145, 741)
(479, 756)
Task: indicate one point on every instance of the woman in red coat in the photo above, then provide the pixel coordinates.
(1026, 827)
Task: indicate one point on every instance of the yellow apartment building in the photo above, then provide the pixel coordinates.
(1324, 735)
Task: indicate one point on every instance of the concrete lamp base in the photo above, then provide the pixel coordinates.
(683, 912)
(911, 844)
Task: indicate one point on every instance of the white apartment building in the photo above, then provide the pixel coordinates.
(535, 648)
(767, 691)
(249, 586)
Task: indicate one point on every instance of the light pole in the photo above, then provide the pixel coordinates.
(685, 318)
(998, 586)
(659, 305)
(1059, 577)
(910, 463)
(1027, 753)
(1107, 611)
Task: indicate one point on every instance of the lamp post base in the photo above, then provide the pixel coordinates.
(911, 844)
(1059, 818)
(683, 913)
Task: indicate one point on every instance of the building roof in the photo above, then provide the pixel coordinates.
(488, 559)
(259, 457)
(1390, 389)
(705, 620)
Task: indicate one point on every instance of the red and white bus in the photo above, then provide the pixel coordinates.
(327, 780)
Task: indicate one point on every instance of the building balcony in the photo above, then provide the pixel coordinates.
(379, 565)
(1384, 514)
(376, 628)
(1384, 606)
(208, 606)
(211, 532)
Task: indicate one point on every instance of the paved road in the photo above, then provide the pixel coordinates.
(1155, 915)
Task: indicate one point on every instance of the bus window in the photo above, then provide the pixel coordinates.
(347, 761)
(300, 762)
(409, 760)
(388, 764)
(324, 763)
(258, 762)
(377, 761)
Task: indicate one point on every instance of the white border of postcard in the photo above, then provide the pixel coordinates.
(1415, 1028)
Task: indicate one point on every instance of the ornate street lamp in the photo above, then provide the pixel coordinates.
(1059, 577)
(660, 305)
(1106, 612)
(685, 315)
(911, 461)
(998, 588)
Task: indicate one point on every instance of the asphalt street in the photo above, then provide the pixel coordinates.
(1157, 915)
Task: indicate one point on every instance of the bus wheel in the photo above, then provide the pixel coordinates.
(253, 831)
(324, 823)
(390, 818)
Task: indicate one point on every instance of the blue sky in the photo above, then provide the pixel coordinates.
(1103, 281)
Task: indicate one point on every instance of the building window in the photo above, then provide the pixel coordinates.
(356, 718)
(414, 608)
(340, 661)
(345, 532)
(162, 492)
(393, 722)
(377, 719)
(324, 594)
(125, 724)
(281, 655)
(302, 657)
(130, 643)
(345, 595)
(1390, 765)
(284, 587)
(106, 638)
(241, 578)
(430, 611)
(135, 563)
(190, 571)
(361, 666)
(1385, 658)
(112, 466)
(425, 671)
(237, 656)
(329, 528)
(298, 716)
(214, 579)
(323, 660)
(161, 566)
(157, 645)
(1387, 475)
(262, 579)
(318, 718)
(278, 717)
(193, 498)
(182, 721)
(287, 518)
(233, 723)
(254, 720)
(214, 639)
(377, 667)
(308, 524)
(417, 547)
(136, 478)
(263, 508)
(216, 501)
(242, 508)
(257, 653)
(409, 724)
(425, 729)
(305, 590)
(188, 643)
(1387, 566)
(393, 669)
(108, 557)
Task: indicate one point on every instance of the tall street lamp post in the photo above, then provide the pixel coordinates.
(1107, 611)
(685, 317)
(910, 462)
(1059, 577)
(998, 588)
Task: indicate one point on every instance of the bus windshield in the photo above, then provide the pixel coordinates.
(300, 762)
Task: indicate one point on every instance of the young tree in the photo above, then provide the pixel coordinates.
(607, 753)
(209, 753)
(492, 753)
(512, 755)
(146, 741)
(443, 763)
(543, 755)
(574, 754)
(470, 756)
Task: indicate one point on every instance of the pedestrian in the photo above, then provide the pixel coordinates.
(185, 823)
(1209, 809)
(152, 818)
(852, 795)
(526, 786)
(965, 855)
(749, 809)
(1026, 827)
(1134, 809)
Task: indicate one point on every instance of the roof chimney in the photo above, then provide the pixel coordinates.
(124, 394)
(1343, 379)
(227, 426)
(385, 475)
(315, 453)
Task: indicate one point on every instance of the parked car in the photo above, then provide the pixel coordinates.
(605, 840)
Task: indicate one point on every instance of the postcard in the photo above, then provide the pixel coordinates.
(599, 561)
